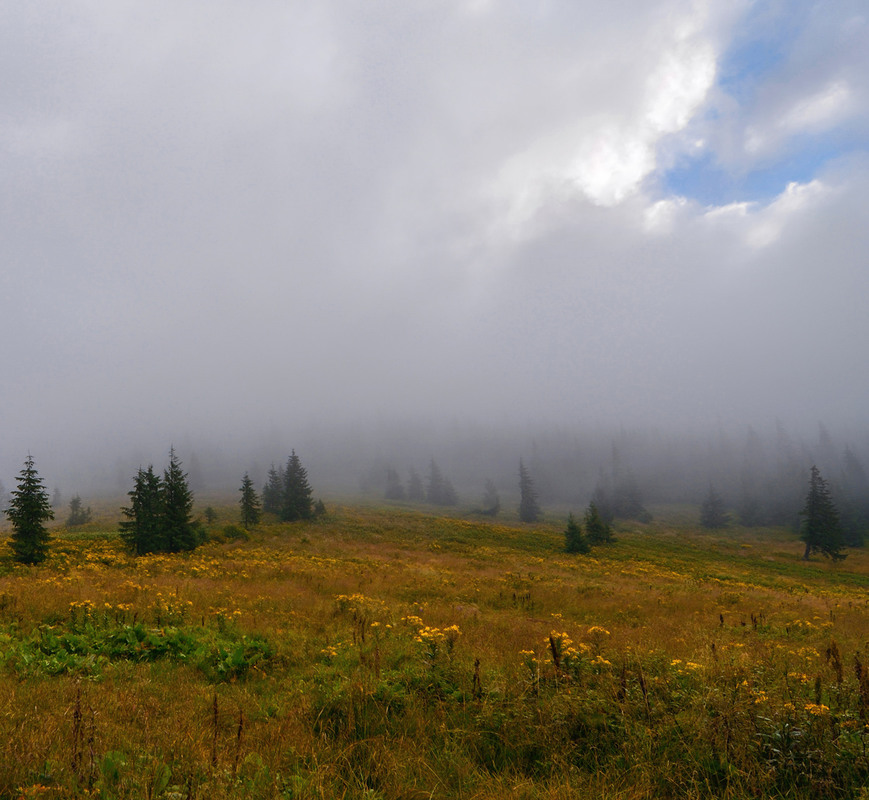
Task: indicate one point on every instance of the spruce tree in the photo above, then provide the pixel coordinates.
(77, 514)
(297, 499)
(575, 540)
(597, 529)
(28, 510)
(853, 495)
(529, 508)
(435, 489)
(821, 529)
(179, 531)
(394, 487)
(143, 530)
(415, 489)
(273, 491)
(250, 505)
(712, 512)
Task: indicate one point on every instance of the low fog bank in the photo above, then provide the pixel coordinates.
(760, 471)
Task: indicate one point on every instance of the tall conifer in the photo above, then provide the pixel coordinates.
(298, 496)
(821, 529)
(28, 510)
(250, 505)
(529, 507)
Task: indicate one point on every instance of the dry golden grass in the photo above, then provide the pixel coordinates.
(384, 653)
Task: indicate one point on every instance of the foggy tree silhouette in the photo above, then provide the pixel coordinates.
(440, 491)
(853, 493)
(415, 489)
(712, 511)
(529, 507)
(77, 514)
(273, 491)
(491, 499)
(821, 529)
(394, 487)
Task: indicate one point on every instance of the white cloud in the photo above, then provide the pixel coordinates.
(761, 225)
(680, 84)
(608, 151)
(820, 111)
(662, 216)
(815, 113)
(796, 199)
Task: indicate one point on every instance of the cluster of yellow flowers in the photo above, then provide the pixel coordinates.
(84, 607)
(360, 605)
(449, 635)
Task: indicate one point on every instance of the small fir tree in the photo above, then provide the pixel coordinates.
(575, 540)
(603, 498)
(852, 492)
(28, 511)
(821, 529)
(712, 513)
(77, 514)
(250, 504)
(394, 487)
(297, 501)
(597, 529)
(273, 491)
(143, 530)
(415, 489)
(180, 531)
(529, 508)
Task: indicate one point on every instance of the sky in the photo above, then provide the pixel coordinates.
(223, 220)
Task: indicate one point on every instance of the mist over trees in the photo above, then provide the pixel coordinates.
(757, 475)
(78, 514)
(758, 472)
(529, 506)
(439, 489)
(713, 512)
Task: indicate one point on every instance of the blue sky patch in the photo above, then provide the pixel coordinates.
(760, 45)
(705, 180)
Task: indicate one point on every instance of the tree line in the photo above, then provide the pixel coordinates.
(159, 517)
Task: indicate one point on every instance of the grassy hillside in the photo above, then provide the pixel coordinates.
(390, 653)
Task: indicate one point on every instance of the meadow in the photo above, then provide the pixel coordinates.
(389, 653)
